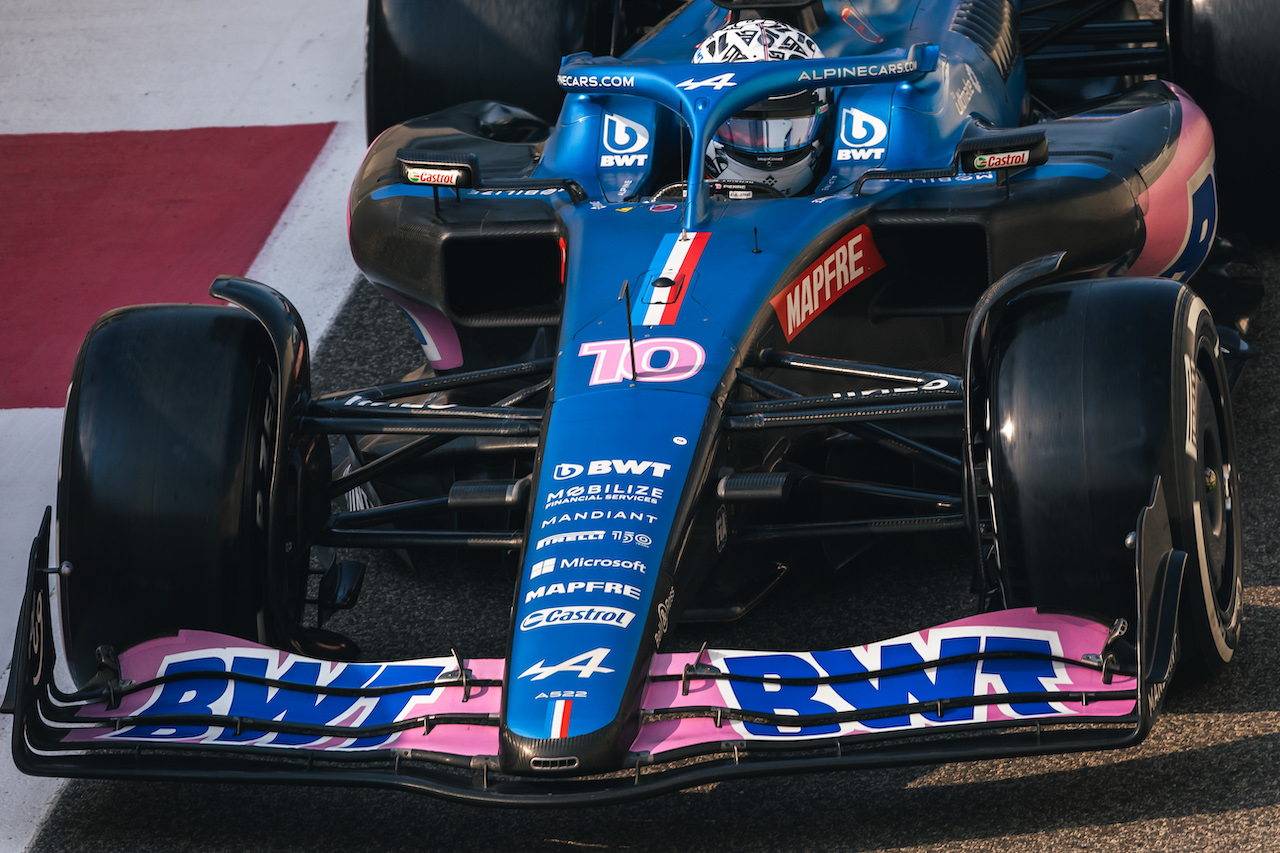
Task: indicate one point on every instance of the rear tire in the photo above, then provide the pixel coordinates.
(1223, 54)
(424, 55)
(168, 449)
(1096, 388)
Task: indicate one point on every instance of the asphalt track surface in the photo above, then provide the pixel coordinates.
(1204, 780)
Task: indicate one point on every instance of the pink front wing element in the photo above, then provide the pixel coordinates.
(1025, 630)
(363, 694)
(1174, 226)
(198, 651)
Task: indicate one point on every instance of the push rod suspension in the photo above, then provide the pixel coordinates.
(874, 526)
(764, 420)
(442, 383)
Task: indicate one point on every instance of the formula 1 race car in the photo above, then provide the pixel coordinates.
(733, 289)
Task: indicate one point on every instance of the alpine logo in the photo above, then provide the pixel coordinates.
(861, 134)
(851, 260)
(624, 138)
(585, 665)
(718, 82)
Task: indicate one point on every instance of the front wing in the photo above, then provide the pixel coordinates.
(203, 706)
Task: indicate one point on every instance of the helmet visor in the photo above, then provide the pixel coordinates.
(781, 124)
(768, 135)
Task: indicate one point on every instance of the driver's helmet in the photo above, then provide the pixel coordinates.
(776, 141)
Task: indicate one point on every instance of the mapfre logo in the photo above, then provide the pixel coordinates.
(624, 138)
(861, 133)
(851, 260)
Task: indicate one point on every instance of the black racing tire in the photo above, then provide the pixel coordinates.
(167, 453)
(1223, 53)
(425, 55)
(1095, 389)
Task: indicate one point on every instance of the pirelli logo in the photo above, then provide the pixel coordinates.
(851, 260)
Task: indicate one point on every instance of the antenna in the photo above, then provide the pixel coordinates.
(684, 169)
(625, 296)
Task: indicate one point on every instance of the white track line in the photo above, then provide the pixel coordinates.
(68, 67)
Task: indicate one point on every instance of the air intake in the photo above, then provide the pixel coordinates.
(567, 763)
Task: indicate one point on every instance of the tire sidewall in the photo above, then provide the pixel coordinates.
(169, 447)
(1211, 612)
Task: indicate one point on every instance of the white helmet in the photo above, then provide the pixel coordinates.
(775, 142)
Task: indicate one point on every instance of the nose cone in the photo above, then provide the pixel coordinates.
(610, 483)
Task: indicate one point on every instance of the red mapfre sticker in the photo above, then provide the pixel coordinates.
(851, 260)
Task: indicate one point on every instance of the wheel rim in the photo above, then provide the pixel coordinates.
(1213, 487)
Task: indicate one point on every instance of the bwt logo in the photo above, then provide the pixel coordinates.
(625, 138)
(569, 470)
(860, 133)
(1020, 666)
(192, 698)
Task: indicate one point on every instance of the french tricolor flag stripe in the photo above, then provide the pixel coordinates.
(560, 718)
(676, 258)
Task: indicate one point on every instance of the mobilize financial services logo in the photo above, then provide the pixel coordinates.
(625, 139)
